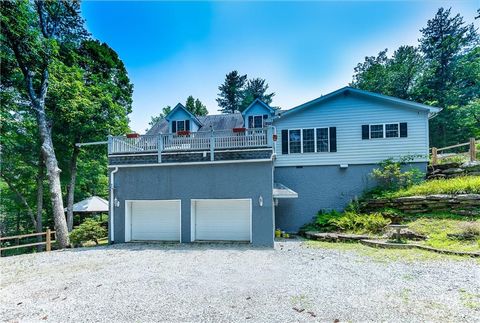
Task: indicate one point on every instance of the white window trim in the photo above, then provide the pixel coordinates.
(384, 130)
(315, 140)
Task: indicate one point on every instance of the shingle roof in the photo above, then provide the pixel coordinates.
(217, 122)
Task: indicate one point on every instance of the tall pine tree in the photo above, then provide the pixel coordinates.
(256, 89)
(231, 93)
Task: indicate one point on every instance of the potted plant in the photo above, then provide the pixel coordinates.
(239, 130)
(183, 133)
(133, 135)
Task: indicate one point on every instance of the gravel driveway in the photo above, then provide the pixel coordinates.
(198, 283)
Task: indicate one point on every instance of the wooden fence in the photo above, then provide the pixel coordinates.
(439, 153)
(47, 243)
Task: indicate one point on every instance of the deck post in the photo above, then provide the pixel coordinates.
(48, 240)
(212, 146)
(160, 148)
(473, 150)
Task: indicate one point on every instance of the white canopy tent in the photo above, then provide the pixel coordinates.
(93, 204)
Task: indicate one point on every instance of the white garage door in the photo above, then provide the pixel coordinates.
(155, 220)
(222, 219)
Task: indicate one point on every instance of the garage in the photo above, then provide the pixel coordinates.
(153, 220)
(221, 220)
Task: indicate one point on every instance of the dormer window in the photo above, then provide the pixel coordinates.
(257, 121)
(180, 125)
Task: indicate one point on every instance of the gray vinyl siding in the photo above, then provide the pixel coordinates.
(348, 114)
(221, 181)
(321, 188)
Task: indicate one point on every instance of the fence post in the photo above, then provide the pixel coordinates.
(212, 146)
(48, 240)
(160, 148)
(434, 156)
(473, 150)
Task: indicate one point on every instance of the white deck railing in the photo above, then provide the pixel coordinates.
(194, 141)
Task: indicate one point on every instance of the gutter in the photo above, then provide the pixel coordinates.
(112, 204)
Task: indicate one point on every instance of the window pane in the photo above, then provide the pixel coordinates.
(376, 131)
(257, 121)
(391, 130)
(295, 142)
(180, 126)
(308, 141)
(322, 140)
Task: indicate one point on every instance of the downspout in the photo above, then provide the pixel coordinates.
(112, 204)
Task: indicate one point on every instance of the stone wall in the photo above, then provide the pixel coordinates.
(453, 170)
(462, 204)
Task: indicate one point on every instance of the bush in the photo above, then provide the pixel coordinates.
(322, 221)
(391, 177)
(90, 230)
(361, 223)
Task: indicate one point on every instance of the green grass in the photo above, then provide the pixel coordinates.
(457, 185)
(437, 230)
(386, 255)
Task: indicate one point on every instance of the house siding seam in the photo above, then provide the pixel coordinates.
(348, 114)
(223, 181)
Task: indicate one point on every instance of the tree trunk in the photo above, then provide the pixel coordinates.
(40, 177)
(71, 187)
(53, 175)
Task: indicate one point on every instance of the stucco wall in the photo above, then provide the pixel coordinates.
(320, 188)
(222, 181)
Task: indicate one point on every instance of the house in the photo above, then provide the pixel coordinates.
(237, 177)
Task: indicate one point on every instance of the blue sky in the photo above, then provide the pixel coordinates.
(303, 49)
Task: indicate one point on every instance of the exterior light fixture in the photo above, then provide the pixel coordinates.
(116, 202)
(260, 200)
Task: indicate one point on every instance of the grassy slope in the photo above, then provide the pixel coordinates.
(458, 185)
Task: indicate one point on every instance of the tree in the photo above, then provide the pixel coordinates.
(32, 32)
(89, 86)
(256, 89)
(231, 93)
(445, 41)
(371, 74)
(195, 106)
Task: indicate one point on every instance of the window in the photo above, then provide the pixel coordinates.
(295, 141)
(376, 131)
(180, 125)
(256, 121)
(308, 140)
(322, 140)
(391, 130)
(384, 130)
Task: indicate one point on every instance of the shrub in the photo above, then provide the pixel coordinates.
(390, 176)
(361, 223)
(90, 230)
(322, 221)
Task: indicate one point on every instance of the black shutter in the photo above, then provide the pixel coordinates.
(187, 125)
(365, 131)
(265, 116)
(403, 129)
(284, 142)
(250, 121)
(333, 139)
(174, 126)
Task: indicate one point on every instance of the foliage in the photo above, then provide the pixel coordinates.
(237, 93)
(443, 71)
(155, 119)
(195, 106)
(231, 92)
(361, 223)
(256, 89)
(390, 176)
(348, 221)
(90, 230)
(456, 185)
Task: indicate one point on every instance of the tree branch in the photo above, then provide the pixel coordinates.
(21, 198)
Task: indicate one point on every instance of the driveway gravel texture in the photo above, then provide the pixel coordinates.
(233, 282)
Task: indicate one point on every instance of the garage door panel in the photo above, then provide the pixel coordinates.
(155, 220)
(222, 220)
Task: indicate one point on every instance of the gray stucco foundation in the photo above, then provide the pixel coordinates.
(320, 188)
(248, 180)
